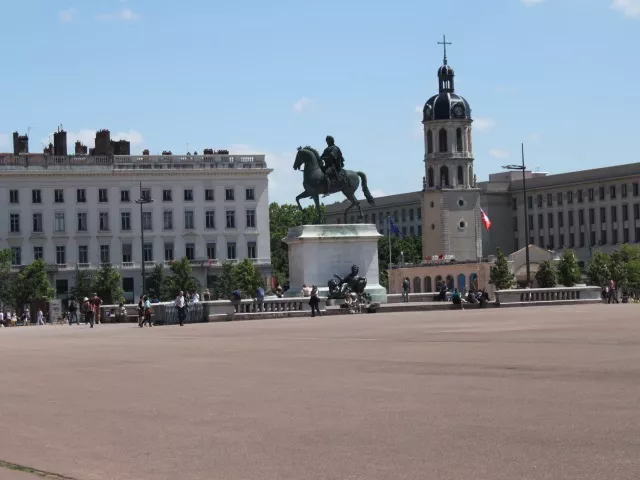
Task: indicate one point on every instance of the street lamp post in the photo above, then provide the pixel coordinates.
(142, 201)
(526, 216)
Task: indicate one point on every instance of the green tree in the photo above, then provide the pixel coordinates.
(180, 279)
(281, 219)
(106, 284)
(248, 278)
(31, 284)
(598, 269)
(227, 281)
(83, 285)
(546, 275)
(155, 283)
(500, 275)
(568, 269)
(5, 274)
(409, 246)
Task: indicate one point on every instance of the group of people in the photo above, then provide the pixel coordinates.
(10, 319)
(457, 298)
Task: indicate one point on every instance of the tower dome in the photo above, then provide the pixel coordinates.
(446, 105)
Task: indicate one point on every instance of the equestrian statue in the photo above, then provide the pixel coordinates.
(324, 175)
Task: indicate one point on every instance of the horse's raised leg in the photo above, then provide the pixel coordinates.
(302, 195)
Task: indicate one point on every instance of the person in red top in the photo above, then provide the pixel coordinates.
(95, 304)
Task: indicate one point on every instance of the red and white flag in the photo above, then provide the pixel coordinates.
(485, 219)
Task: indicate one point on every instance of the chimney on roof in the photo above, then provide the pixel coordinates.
(20, 143)
(80, 149)
(103, 143)
(60, 143)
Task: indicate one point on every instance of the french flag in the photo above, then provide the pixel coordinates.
(485, 219)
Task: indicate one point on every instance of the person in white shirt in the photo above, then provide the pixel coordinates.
(14, 319)
(40, 317)
(306, 291)
(182, 307)
(195, 298)
(1, 318)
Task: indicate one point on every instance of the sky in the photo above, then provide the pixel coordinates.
(265, 76)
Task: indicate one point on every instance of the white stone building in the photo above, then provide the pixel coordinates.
(81, 210)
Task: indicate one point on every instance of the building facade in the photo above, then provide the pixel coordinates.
(405, 209)
(82, 211)
(586, 210)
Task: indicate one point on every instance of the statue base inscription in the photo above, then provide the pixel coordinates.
(318, 252)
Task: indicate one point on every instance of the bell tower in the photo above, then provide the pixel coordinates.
(451, 201)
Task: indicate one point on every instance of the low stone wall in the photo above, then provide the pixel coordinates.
(557, 295)
(217, 310)
(413, 297)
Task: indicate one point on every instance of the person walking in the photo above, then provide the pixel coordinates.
(314, 301)
(181, 305)
(147, 311)
(96, 301)
(141, 312)
(87, 310)
(40, 317)
(613, 297)
(73, 312)
(406, 287)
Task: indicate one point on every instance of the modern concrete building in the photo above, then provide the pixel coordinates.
(405, 209)
(81, 211)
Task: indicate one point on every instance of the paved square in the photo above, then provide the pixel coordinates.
(522, 393)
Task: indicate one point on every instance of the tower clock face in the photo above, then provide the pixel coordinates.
(458, 111)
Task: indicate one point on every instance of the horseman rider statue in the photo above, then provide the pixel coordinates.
(333, 165)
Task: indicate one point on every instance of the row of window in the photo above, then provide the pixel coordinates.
(382, 219)
(581, 217)
(589, 194)
(59, 224)
(125, 195)
(127, 257)
(583, 240)
(443, 141)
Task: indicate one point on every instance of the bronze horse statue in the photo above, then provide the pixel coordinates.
(314, 183)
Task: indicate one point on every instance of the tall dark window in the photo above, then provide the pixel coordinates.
(429, 142)
(459, 139)
(443, 140)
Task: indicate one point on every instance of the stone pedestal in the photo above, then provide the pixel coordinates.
(317, 252)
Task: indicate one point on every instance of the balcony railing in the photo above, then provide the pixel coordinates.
(196, 162)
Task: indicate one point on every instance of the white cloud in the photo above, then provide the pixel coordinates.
(483, 124)
(67, 15)
(499, 153)
(534, 137)
(419, 108)
(125, 15)
(135, 138)
(285, 183)
(303, 104)
(531, 3)
(629, 8)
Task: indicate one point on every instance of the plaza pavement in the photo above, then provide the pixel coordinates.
(528, 393)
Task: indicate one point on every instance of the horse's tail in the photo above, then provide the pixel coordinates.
(365, 188)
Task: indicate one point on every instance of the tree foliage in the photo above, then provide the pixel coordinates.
(243, 276)
(624, 267)
(598, 269)
(281, 219)
(31, 284)
(83, 285)
(5, 274)
(180, 279)
(568, 269)
(500, 275)
(155, 283)
(410, 247)
(546, 275)
(107, 285)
